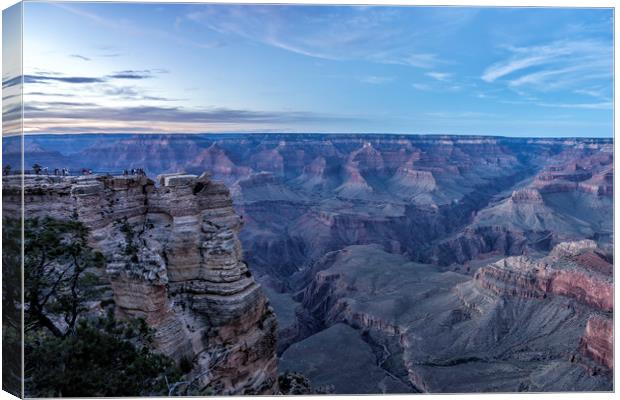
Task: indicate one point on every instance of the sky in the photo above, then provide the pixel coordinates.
(113, 67)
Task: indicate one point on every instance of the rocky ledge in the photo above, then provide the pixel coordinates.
(566, 271)
(174, 259)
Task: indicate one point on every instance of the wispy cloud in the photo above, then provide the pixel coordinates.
(129, 93)
(84, 117)
(598, 92)
(462, 115)
(131, 74)
(607, 105)
(65, 79)
(440, 76)
(374, 34)
(47, 78)
(52, 99)
(561, 78)
(557, 65)
(64, 104)
(79, 56)
(420, 60)
(422, 86)
(376, 80)
(602, 105)
(104, 85)
(132, 29)
(46, 94)
(437, 87)
(169, 114)
(504, 68)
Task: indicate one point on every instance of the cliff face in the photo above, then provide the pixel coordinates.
(174, 259)
(598, 341)
(575, 270)
(572, 269)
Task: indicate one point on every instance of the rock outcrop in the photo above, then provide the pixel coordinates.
(590, 174)
(215, 160)
(526, 196)
(409, 180)
(598, 340)
(577, 270)
(175, 260)
(561, 273)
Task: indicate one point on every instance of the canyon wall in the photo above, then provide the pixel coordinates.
(519, 324)
(174, 259)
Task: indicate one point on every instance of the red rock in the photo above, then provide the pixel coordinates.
(215, 160)
(268, 160)
(595, 262)
(598, 341)
(552, 275)
(585, 289)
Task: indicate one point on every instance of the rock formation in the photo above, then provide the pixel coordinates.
(598, 340)
(174, 259)
(526, 196)
(573, 269)
(564, 272)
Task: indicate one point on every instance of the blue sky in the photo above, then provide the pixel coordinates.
(226, 68)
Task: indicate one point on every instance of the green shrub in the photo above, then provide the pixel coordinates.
(103, 357)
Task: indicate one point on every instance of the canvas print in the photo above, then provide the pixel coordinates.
(242, 199)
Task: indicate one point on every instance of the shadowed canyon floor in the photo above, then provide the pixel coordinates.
(409, 263)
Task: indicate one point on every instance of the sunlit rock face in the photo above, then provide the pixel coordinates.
(174, 259)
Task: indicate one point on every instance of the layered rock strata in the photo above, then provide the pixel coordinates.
(174, 259)
(576, 270)
(517, 325)
(598, 340)
(563, 272)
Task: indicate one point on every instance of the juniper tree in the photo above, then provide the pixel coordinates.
(57, 281)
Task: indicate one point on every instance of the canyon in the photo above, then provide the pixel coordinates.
(392, 263)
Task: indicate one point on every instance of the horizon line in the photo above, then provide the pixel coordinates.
(308, 134)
